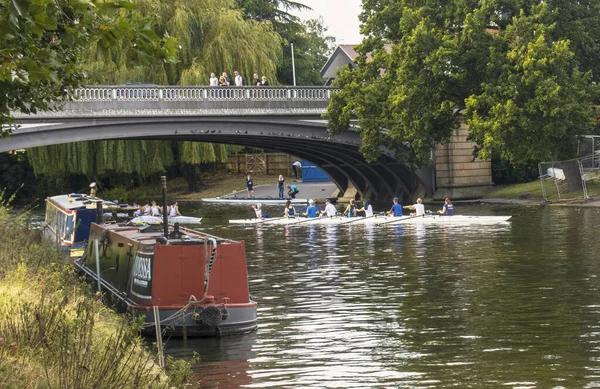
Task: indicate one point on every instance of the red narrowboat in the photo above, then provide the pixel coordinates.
(199, 282)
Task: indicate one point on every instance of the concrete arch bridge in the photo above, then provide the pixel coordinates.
(282, 119)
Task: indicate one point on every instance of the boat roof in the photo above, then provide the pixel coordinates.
(149, 233)
(76, 201)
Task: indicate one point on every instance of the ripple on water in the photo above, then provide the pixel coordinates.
(512, 305)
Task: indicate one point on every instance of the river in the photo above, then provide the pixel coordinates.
(511, 306)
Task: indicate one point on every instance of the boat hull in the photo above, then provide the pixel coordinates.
(198, 282)
(248, 201)
(378, 220)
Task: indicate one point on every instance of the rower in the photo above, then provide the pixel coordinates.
(419, 208)
(350, 210)
(289, 210)
(329, 210)
(257, 211)
(174, 210)
(448, 209)
(311, 210)
(396, 209)
(367, 209)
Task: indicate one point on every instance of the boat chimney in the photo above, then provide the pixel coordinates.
(163, 181)
(99, 212)
(93, 190)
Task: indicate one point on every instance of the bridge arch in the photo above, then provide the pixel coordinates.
(285, 120)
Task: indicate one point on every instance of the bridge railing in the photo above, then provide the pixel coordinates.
(202, 93)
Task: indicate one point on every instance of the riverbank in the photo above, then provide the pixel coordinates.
(54, 332)
(232, 184)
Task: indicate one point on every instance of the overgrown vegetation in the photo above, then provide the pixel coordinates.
(54, 333)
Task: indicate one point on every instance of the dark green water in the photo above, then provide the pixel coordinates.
(507, 306)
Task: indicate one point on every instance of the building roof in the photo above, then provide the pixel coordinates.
(344, 55)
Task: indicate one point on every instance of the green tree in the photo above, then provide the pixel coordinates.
(311, 44)
(41, 43)
(507, 68)
(213, 37)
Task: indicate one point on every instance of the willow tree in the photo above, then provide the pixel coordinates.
(212, 37)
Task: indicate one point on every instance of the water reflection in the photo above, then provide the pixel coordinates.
(512, 305)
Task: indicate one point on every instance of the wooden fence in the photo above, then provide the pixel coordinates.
(263, 163)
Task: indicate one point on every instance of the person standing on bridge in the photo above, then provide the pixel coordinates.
(224, 80)
(280, 186)
(264, 81)
(295, 167)
(213, 81)
(255, 80)
(239, 80)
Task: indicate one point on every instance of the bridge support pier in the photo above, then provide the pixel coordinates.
(458, 176)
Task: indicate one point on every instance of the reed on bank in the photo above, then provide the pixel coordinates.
(54, 332)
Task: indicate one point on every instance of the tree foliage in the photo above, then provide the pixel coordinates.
(514, 71)
(41, 43)
(311, 43)
(213, 37)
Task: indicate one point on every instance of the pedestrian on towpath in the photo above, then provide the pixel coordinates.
(292, 191)
(295, 167)
(250, 186)
(280, 186)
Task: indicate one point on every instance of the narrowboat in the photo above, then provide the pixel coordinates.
(198, 282)
(68, 220)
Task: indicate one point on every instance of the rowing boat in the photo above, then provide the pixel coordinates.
(251, 200)
(378, 220)
(147, 219)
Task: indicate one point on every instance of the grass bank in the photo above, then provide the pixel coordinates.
(529, 190)
(533, 191)
(55, 333)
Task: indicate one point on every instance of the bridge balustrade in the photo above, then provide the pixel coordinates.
(200, 93)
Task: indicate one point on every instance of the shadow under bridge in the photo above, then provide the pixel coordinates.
(282, 119)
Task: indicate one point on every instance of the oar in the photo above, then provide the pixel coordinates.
(311, 219)
(396, 220)
(276, 218)
(359, 219)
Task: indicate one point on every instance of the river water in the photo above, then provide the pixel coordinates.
(510, 306)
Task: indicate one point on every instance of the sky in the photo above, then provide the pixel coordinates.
(340, 18)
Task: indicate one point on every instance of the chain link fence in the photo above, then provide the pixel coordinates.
(571, 179)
